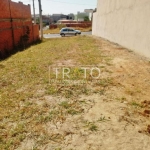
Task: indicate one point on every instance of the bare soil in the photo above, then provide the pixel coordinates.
(111, 115)
(117, 120)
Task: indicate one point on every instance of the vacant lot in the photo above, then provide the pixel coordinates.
(111, 114)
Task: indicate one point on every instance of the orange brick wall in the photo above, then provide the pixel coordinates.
(14, 17)
(71, 23)
(81, 25)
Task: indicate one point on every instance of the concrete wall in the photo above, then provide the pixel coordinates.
(126, 22)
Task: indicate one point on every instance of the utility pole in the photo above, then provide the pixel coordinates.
(34, 12)
(41, 23)
(49, 19)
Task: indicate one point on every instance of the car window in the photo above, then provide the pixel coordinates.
(71, 30)
(65, 30)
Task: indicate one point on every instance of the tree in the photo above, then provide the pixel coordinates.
(86, 18)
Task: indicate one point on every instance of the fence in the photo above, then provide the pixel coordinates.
(81, 24)
(16, 28)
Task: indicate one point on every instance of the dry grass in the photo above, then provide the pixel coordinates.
(57, 30)
(24, 85)
(33, 112)
(51, 31)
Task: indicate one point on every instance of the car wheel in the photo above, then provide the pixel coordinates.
(63, 35)
(75, 34)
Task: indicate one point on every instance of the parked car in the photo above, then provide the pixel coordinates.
(69, 31)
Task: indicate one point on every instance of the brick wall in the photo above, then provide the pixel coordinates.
(71, 21)
(14, 20)
(81, 24)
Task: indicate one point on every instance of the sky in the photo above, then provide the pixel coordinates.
(50, 7)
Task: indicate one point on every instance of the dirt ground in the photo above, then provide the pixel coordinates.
(111, 115)
(117, 120)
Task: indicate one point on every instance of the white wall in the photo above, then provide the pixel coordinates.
(126, 22)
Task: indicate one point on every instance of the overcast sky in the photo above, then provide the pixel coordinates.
(62, 6)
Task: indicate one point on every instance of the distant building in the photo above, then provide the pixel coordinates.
(71, 16)
(49, 19)
(81, 15)
(45, 18)
(90, 12)
(56, 17)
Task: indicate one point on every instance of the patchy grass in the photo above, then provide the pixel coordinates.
(36, 114)
(90, 126)
(135, 104)
(103, 119)
(93, 127)
(25, 82)
(51, 31)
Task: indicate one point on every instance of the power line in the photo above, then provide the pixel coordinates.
(23, 1)
(62, 2)
(70, 3)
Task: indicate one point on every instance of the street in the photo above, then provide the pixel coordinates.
(58, 35)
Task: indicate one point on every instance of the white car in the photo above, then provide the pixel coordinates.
(69, 31)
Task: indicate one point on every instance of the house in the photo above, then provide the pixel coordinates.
(124, 22)
(90, 12)
(56, 17)
(45, 18)
(71, 16)
(81, 15)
